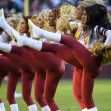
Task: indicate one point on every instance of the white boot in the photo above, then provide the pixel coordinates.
(93, 109)
(85, 109)
(2, 107)
(39, 33)
(46, 108)
(33, 29)
(4, 25)
(14, 107)
(24, 41)
(2, 19)
(32, 107)
(5, 47)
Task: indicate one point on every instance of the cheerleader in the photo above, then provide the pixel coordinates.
(78, 74)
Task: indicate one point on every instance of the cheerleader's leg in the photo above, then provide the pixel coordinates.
(39, 82)
(11, 87)
(77, 78)
(51, 83)
(61, 51)
(26, 88)
(82, 54)
(87, 89)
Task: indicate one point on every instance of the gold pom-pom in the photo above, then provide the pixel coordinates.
(104, 51)
(97, 46)
(106, 54)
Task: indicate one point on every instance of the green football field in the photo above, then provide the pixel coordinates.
(64, 96)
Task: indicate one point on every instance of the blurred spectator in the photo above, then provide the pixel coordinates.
(73, 2)
(109, 5)
(19, 3)
(37, 5)
(34, 5)
(3, 3)
(109, 2)
(58, 3)
(12, 5)
(41, 4)
(54, 3)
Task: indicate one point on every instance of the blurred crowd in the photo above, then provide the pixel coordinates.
(17, 5)
(40, 4)
(12, 5)
(36, 5)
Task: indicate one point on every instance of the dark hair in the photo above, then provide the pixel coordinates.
(26, 21)
(97, 15)
(1, 30)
